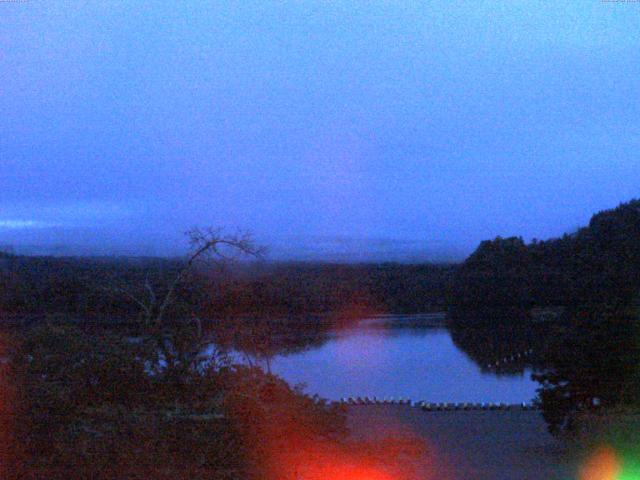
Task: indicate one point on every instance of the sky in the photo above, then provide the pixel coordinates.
(381, 130)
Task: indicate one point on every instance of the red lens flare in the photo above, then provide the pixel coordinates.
(347, 472)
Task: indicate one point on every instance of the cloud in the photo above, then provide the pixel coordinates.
(15, 224)
(64, 214)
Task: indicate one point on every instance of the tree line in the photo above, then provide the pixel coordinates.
(597, 264)
(90, 288)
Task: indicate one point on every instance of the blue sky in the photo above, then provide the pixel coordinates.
(430, 124)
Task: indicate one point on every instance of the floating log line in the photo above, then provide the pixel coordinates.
(510, 359)
(437, 407)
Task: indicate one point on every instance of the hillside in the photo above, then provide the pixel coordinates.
(598, 264)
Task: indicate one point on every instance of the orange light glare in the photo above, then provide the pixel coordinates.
(602, 465)
(348, 473)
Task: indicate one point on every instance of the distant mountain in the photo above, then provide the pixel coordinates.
(362, 250)
(312, 249)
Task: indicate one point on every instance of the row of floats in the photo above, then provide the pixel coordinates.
(511, 359)
(437, 407)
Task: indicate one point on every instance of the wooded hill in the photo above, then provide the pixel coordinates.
(598, 264)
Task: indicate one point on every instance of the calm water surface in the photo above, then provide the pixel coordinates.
(415, 363)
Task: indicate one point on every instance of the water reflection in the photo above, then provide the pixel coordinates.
(416, 363)
(585, 360)
(591, 361)
(500, 344)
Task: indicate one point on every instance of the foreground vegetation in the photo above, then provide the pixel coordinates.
(157, 397)
(89, 405)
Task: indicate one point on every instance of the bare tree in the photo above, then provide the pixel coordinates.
(181, 341)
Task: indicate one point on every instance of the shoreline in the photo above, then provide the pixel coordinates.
(471, 445)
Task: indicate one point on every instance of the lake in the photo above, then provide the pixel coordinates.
(392, 361)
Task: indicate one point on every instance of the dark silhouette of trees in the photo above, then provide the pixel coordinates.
(598, 264)
(39, 286)
(98, 403)
(496, 275)
(587, 357)
(589, 362)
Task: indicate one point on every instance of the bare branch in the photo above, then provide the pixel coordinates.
(152, 294)
(132, 297)
(209, 242)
